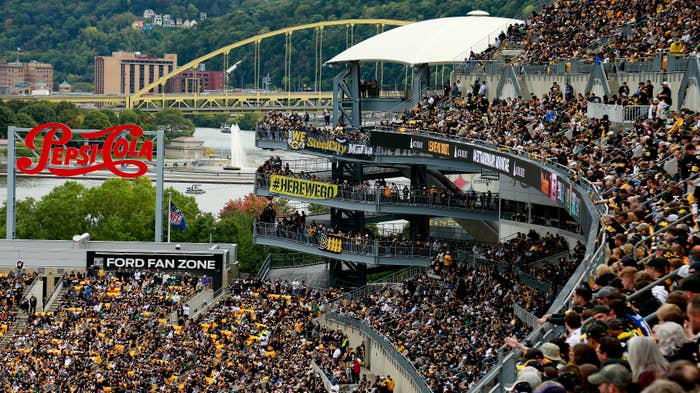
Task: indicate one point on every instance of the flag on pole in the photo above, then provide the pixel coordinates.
(177, 219)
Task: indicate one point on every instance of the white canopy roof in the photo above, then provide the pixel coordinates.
(435, 41)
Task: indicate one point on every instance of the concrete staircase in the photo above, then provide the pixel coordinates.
(9, 336)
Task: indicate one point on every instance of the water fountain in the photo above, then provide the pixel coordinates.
(237, 153)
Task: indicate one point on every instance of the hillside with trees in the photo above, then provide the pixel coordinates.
(69, 34)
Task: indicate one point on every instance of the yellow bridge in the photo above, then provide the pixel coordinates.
(235, 100)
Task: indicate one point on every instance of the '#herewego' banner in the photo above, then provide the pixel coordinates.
(302, 188)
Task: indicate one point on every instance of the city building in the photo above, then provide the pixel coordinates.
(129, 72)
(65, 87)
(23, 78)
(190, 81)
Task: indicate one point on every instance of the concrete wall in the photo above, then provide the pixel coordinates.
(378, 361)
(539, 84)
(507, 228)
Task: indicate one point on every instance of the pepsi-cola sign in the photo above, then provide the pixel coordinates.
(114, 149)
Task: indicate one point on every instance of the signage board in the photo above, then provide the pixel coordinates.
(302, 188)
(201, 264)
(116, 149)
(494, 161)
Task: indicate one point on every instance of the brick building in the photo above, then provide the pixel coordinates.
(22, 78)
(189, 81)
(129, 72)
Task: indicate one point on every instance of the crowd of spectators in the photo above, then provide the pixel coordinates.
(451, 320)
(277, 126)
(385, 191)
(12, 287)
(614, 31)
(111, 334)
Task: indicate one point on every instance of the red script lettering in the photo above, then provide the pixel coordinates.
(63, 160)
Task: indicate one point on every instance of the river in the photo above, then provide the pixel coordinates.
(216, 196)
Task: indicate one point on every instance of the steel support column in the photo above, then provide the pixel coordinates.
(421, 82)
(346, 97)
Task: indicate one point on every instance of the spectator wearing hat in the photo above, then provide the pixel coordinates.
(665, 94)
(551, 386)
(602, 295)
(601, 313)
(657, 268)
(594, 331)
(528, 378)
(551, 354)
(691, 285)
(613, 378)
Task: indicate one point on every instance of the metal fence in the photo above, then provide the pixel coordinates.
(617, 113)
(470, 201)
(404, 366)
(355, 246)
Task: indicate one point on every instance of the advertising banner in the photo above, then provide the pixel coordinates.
(302, 188)
(112, 149)
(330, 243)
(201, 264)
(522, 170)
(323, 142)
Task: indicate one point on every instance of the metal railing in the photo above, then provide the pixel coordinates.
(265, 267)
(54, 295)
(370, 288)
(389, 351)
(617, 113)
(470, 201)
(308, 165)
(352, 246)
(293, 260)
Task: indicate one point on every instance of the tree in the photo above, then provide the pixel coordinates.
(41, 112)
(59, 214)
(23, 120)
(173, 123)
(247, 121)
(236, 225)
(128, 116)
(121, 209)
(6, 116)
(96, 120)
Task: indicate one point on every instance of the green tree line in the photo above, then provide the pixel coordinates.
(121, 209)
(27, 114)
(85, 29)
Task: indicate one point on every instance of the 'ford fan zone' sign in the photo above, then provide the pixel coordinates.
(112, 149)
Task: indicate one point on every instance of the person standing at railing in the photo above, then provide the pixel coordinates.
(665, 94)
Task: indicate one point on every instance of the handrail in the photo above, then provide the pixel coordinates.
(662, 230)
(30, 287)
(56, 291)
(412, 374)
(214, 300)
(265, 267)
(469, 201)
(364, 246)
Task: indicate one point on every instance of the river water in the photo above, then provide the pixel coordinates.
(216, 196)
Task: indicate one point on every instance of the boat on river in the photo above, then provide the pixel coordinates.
(195, 189)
